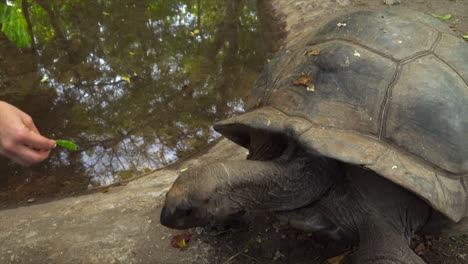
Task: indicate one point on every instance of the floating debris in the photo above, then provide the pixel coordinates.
(341, 24)
(356, 53)
(126, 79)
(194, 33)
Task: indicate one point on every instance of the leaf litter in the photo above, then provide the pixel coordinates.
(180, 240)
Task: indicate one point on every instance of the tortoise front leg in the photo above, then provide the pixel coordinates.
(381, 243)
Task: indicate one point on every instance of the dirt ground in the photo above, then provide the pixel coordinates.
(260, 238)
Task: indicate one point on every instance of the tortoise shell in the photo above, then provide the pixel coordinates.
(385, 89)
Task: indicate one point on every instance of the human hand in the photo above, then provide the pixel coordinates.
(19, 138)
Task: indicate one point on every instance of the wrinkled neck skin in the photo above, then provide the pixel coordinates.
(283, 184)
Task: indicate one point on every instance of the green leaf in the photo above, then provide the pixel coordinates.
(45, 78)
(184, 169)
(444, 17)
(14, 25)
(66, 144)
(465, 36)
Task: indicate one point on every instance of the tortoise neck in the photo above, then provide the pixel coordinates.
(280, 185)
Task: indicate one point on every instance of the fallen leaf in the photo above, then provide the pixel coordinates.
(104, 190)
(45, 78)
(341, 24)
(444, 17)
(126, 79)
(31, 200)
(313, 53)
(465, 36)
(180, 241)
(306, 81)
(303, 80)
(184, 169)
(196, 31)
(105, 13)
(131, 53)
(337, 260)
(421, 249)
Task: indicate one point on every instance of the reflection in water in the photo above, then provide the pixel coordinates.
(136, 84)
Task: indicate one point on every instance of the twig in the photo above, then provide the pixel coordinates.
(241, 252)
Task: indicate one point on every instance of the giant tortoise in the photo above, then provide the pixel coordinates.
(360, 130)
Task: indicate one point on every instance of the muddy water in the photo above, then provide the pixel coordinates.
(135, 84)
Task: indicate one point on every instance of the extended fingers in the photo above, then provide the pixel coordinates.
(35, 141)
(24, 155)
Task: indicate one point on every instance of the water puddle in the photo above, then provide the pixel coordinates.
(135, 84)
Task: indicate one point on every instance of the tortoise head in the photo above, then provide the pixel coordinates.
(199, 198)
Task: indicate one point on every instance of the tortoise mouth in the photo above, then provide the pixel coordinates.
(184, 220)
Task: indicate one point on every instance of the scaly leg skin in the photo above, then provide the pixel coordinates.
(380, 243)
